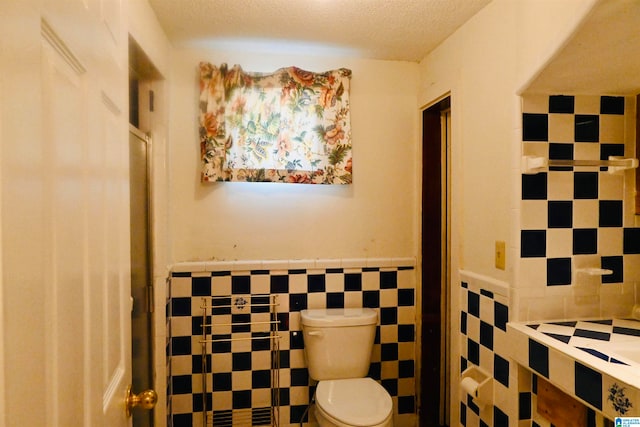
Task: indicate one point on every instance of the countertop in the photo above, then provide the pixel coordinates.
(608, 349)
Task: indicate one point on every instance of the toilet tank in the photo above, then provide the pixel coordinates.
(338, 341)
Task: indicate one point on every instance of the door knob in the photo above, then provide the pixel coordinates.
(146, 400)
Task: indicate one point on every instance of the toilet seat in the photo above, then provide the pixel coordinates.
(360, 402)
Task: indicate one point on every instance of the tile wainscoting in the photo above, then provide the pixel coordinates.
(484, 313)
(485, 343)
(237, 377)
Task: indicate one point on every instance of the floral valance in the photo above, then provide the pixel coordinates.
(288, 126)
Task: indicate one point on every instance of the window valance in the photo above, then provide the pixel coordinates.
(288, 126)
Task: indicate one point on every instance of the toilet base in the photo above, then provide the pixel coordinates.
(326, 420)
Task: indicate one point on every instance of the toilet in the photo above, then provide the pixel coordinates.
(337, 347)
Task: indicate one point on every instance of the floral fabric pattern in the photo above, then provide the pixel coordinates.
(289, 126)
(621, 403)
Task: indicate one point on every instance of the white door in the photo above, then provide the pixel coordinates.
(65, 283)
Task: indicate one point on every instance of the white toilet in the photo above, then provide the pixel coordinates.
(337, 345)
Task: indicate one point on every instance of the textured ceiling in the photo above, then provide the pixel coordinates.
(403, 30)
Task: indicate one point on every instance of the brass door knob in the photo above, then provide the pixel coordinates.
(146, 400)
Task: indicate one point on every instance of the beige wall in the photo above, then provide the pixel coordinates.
(484, 65)
(373, 217)
(145, 29)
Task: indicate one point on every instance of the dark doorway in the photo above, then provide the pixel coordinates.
(434, 396)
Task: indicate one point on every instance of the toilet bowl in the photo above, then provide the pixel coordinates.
(356, 402)
(338, 344)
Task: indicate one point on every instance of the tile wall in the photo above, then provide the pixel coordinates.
(484, 313)
(516, 365)
(572, 218)
(577, 217)
(237, 375)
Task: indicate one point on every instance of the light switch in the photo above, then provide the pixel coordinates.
(501, 256)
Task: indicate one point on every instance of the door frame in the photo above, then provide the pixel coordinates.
(435, 306)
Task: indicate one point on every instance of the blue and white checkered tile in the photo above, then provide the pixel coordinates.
(569, 215)
(237, 377)
(579, 334)
(483, 318)
(587, 378)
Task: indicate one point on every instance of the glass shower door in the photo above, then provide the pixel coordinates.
(141, 274)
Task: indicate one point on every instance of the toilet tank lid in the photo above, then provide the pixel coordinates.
(335, 317)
